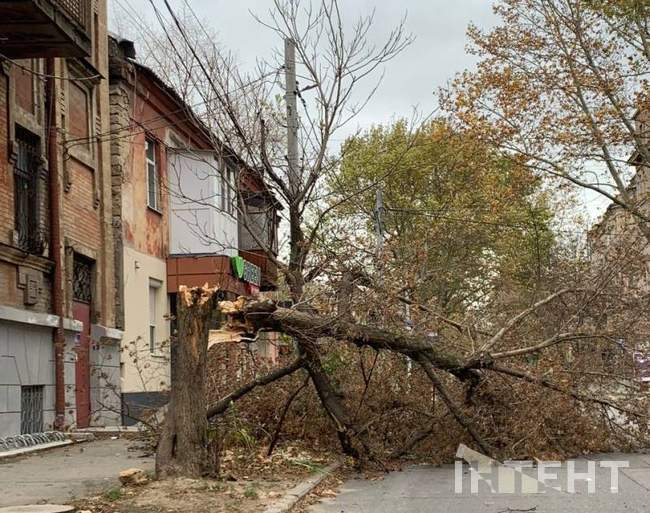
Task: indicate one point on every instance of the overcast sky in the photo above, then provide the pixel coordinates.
(437, 54)
(439, 27)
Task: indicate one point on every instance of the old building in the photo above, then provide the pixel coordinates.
(59, 349)
(617, 235)
(176, 193)
(620, 251)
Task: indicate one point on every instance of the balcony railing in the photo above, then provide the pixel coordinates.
(45, 28)
(78, 10)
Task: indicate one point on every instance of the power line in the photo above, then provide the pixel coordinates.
(186, 108)
(45, 75)
(115, 131)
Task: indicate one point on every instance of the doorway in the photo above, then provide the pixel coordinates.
(81, 304)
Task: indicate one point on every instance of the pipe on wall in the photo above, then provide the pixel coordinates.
(58, 336)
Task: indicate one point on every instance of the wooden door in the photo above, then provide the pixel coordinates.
(81, 312)
(82, 300)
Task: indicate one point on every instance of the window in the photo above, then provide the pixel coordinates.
(31, 409)
(154, 289)
(228, 194)
(153, 185)
(79, 114)
(26, 187)
(82, 278)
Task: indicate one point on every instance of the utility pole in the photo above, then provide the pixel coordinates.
(379, 220)
(292, 114)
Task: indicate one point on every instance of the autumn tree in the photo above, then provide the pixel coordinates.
(559, 85)
(461, 217)
(467, 364)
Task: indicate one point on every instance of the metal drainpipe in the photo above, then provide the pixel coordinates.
(58, 337)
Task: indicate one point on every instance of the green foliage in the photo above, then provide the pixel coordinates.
(455, 210)
(245, 438)
(332, 362)
(114, 494)
(250, 492)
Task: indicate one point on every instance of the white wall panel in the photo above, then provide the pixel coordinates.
(198, 225)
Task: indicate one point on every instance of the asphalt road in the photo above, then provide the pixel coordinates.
(61, 474)
(427, 489)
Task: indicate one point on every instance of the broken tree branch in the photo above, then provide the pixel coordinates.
(552, 386)
(453, 408)
(287, 405)
(222, 405)
(514, 321)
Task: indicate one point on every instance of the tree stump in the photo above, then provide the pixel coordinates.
(187, 447)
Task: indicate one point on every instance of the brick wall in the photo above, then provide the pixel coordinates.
(80, 219)
(6, 178)
(85, 203)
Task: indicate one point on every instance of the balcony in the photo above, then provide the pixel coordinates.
(45, 28)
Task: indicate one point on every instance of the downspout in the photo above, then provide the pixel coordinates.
(58, 336)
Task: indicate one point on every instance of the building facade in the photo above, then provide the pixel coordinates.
(175, 196)
(59, 349)
(620, 251)
(617, 235)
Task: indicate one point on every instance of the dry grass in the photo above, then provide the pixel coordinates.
(249, 482)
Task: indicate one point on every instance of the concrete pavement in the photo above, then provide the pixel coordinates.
(427, 489)
(65, 473)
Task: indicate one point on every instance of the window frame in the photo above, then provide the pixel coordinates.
(153, 311)
(151, 142)
(155, 289)
(26, 172)
(228, 191)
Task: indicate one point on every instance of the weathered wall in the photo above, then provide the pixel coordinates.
(82, 110)
(142, 370)
(27, 359)
(141, 245)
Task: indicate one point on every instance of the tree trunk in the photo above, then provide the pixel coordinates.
(186, 446)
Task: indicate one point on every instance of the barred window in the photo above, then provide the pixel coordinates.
(26, 193)
(31, 409)
(82, 279)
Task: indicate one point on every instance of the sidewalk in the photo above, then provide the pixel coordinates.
(65, 473)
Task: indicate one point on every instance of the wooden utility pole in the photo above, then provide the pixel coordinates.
(291, 99)
(379, 220)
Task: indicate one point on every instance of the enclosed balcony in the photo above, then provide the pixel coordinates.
(45, 28)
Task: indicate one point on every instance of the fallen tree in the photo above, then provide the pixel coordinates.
(247, 316)
(437, 366)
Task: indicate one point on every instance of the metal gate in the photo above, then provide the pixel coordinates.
(31, 409)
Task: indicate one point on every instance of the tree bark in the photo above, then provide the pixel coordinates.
(329, 398)
(187, 447)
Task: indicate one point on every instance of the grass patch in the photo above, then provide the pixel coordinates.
(251, 492)
(113, 494)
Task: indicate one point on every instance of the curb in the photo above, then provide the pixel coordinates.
(34, 448)
(73, 438)
(289, 500)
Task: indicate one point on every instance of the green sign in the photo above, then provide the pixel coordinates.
(237, 266)
(246, 271)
